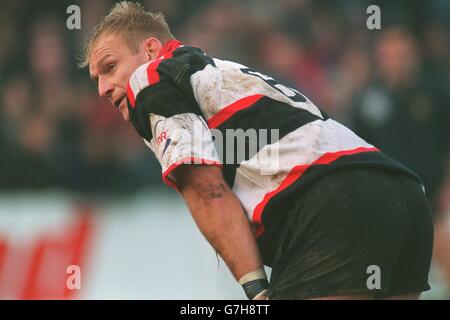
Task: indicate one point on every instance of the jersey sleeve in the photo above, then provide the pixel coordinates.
(168, 118)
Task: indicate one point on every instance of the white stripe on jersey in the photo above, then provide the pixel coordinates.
(300, 147)
(139, 79)
(217, 87)
(180, 137)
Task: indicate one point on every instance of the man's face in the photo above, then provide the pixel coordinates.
(111, 65)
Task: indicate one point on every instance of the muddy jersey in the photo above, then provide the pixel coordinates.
(270, 140)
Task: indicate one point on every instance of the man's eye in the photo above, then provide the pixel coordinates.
(110, 67)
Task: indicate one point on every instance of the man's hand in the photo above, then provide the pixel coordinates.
(262, 296)
(219, 215)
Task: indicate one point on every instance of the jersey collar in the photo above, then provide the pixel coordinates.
(168, 47)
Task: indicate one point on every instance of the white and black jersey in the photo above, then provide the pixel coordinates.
(179, 100)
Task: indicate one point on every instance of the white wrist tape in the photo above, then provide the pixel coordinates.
(254, 275)
(254, 284)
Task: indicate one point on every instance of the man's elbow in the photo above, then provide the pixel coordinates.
(206, 182)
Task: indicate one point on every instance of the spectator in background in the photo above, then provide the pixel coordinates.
(25, 140)
(53, 130)
(407, 114)
(323, 50)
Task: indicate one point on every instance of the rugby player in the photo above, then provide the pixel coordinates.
(315, 202)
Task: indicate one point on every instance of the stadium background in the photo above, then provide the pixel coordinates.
(78, 186)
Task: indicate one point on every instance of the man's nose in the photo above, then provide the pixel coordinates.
(105, 89)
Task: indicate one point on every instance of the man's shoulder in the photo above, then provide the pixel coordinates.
(176, 66)
(148, 74)
(168, 65)
(182, 63)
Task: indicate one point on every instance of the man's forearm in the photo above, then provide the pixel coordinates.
(220, 217)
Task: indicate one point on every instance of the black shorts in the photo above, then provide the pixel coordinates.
(344, 224)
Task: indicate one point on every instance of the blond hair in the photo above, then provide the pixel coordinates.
(132, 21)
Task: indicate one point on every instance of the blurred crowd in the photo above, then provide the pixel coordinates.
(389, 85)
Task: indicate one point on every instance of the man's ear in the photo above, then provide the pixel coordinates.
(152, 47)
